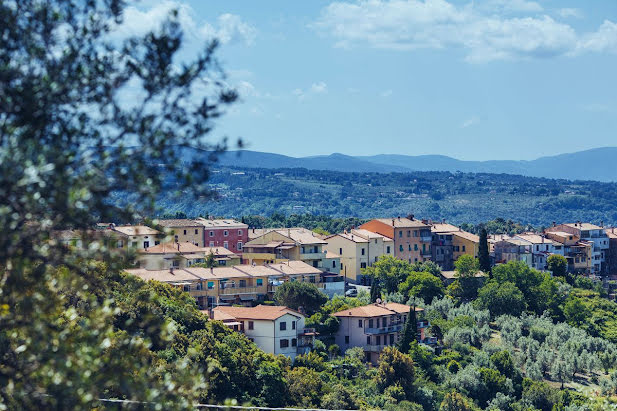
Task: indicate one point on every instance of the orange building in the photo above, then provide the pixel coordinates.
(412, 238)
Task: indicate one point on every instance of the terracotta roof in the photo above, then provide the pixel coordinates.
(468, 236)
(611, 232)
(584, 226)
(221, 223)
(178, 222)
(219, 251)
(443, 228)
(131, 230)
(402, 222)
(361, 236)
(173, 248)
(375, 310)
(166, 276)
(261, 312)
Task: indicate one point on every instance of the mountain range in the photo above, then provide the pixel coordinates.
(595, 164)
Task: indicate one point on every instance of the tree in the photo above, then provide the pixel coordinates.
(409, 332)
(375, 290)
(395, 368)
(484, 260)
(389, 271)
(557, 265)
(305, 387)
(453, 401)
(576, 312)
(423, 285)
(501, 299)
(465, 287)
(85, 115)
(339, 398)
(466, 266)
(295, 294)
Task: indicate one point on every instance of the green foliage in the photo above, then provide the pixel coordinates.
(500, 299)
(453, 401)
(558, 265)
(296, 294)
(575, 312)
(409, 332)
(484, 260)
(305, 387)
(466, 266)
(396, 368)
(389, 271)
(423, 285)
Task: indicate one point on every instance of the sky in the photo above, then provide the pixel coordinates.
(475, 80)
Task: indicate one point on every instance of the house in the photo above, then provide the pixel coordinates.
(135, 237)
(448, 277)
(289, 244)
(589, 233)
(442, 246)
(358, 249)
(181, 255)
(579, 253)
(464, 243)
(227, 233)
(513, 249)
(332, 262)
(274, 329)
(238, 284)
(611, 258)
(412, 238)
(184, 230)
(541, 248)
(374, 327)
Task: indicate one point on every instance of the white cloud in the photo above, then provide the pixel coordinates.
(386, 93)
(470, 122)
(570, 12)
(485, 34)
(229, 28)
(319, 88)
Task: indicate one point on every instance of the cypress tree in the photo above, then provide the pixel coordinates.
(410, 331)
(483, 256)
(375, 290)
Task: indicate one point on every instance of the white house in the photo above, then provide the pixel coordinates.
(274, 329)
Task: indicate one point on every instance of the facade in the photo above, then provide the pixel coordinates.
(465, 243)
(274, 329)
(182, 255)
(593, 234)
(513, 249)
(226, 233)
(358, 249)
(541, 248)
(450, 242)
(332, 262)
(611, 261)
(289, 244)
(412, 238)
(184, 230)
(374, 327)
(239, 284)
(136, 237)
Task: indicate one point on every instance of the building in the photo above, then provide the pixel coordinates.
(358, 249)
(274, 329)
(238, 284)
(513, 249)
(289, 244)
(611, 260)
(184, 230)
(412, 238)
(442, 245)
(578, 253)
(593, 234)
(332, 262)
(542, 247)
(374, 327)
(448, 277)
(181, 255)
(464, 243)
(226, 233)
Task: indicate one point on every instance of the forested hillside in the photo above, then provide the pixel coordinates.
(457, 197)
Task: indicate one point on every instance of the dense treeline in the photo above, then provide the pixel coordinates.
(457, 197)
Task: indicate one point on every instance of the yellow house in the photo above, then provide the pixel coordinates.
(184, 230)
(464, 243)
(181, 255)
(289, 244)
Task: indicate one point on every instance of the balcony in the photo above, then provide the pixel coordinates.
(239, 290)
(392, 328)
(423, 324)
(426, 252)
(372, 347)
(310, 255)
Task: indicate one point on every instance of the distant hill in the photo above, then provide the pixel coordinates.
(595, 164)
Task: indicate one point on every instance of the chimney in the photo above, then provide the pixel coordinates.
(178, 244)
(554, 224)
(171, 269)
(601, 223)
(393, 221)
(399, 218)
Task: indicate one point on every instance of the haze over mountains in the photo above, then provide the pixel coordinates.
(595, 164)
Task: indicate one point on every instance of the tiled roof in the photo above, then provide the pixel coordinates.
(443, 228)
(261, 312)
(136, 230)
(173, 248)
(183, 222)
(401, 222)
(361, 236)
(330, 254)
(584, 226)
(468, 236)
(166, 276)
(375, 310)
(223, 223)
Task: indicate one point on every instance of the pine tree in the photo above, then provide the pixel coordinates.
(483, 255)
(375, 290)
(410, 331)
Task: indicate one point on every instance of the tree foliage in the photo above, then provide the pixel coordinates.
(296, 295)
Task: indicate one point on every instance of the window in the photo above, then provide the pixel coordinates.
(315, 249)
(187, 287)
(157, 242)
(146, 244)
(184, 232)
(378, 338)
(370, 323)
(260, 282)
(333, 263)
(176, 263)
(415, 247)
(340, 251)
(315, 263)
(409, 247)
(210, 285)
(226, 244)
(196, 231)
(312, 279)
(283, 326)
(388, 250)
(368, 340)
(302, 249)
(408, 233)
(400, 247)
(415, 233)
(225, 233)
(242, 283)
(346, 339)
(376, 258)
(362, 265)
(284, 343)
(176, 238)
(211, 243)
(293, 325)
(240, 232)
(120, 244)
(134, 244)
(211, 233)
(294, 342)
(251, 325)
(391, 339)
(463, 248)
(239, 245)
(400, 234)
(359, 323)
(363, 251)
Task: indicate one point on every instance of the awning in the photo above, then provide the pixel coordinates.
(248, 297)
(233, 323)
(181, 283)
(227, 297)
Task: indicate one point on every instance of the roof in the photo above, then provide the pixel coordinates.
(451, 275)
(261, 312)
(402, 222)
(376, 310)
(361, 236)
(535, 238)
(221, 223)
(136, 230)
(166, 276)
(584, 226)
(178, 222)
(330, 254)
(468, 236)
(611, 232)
(443, 228)
(173, 248)
(301, 236)
(219, 251)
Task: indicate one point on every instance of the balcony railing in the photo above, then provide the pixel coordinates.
(239, 290)
(384, 330)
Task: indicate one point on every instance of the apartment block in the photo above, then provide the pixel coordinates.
(592, 234)
(227, 233)
(412, 238)
(184, 230)
(181, 255)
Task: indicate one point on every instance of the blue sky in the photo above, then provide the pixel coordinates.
(494, 79)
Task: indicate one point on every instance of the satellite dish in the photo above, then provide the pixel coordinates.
(378, 301)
